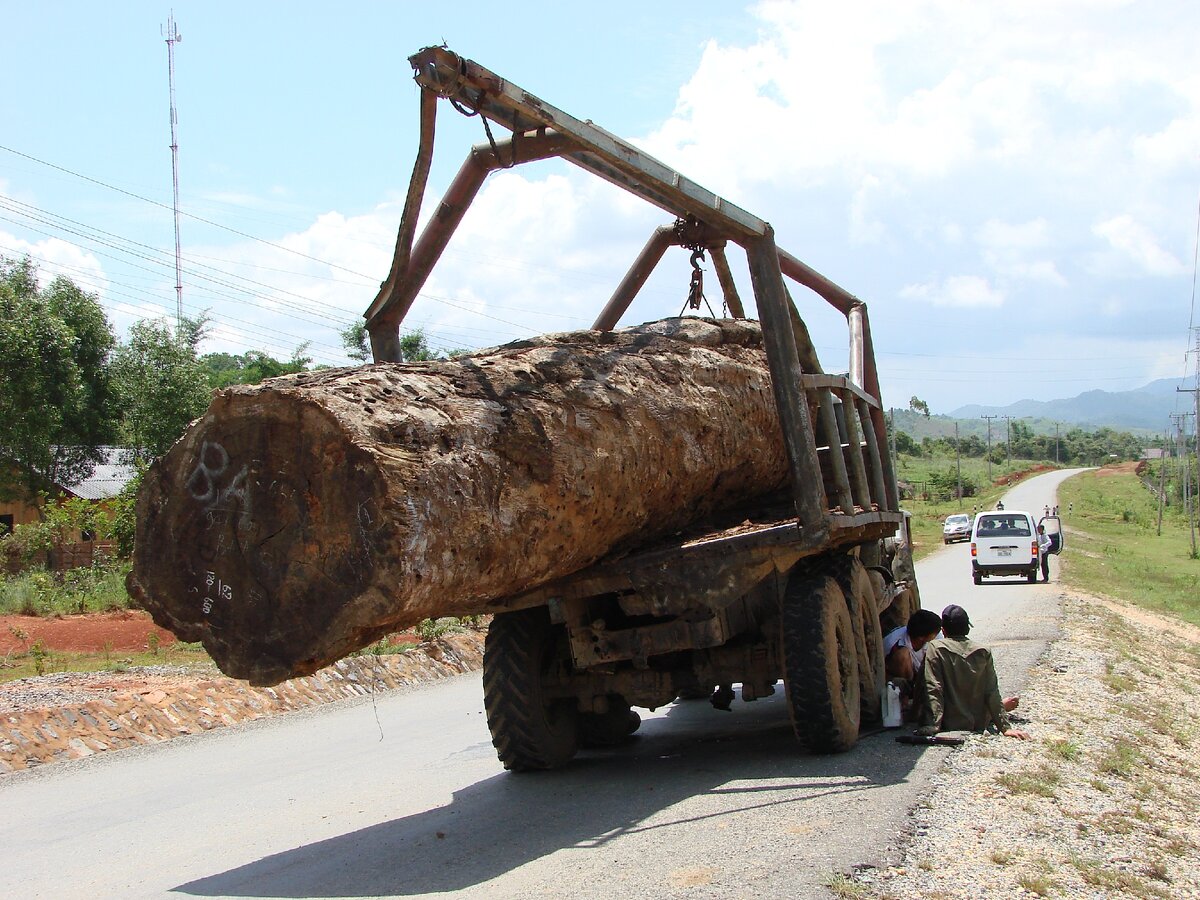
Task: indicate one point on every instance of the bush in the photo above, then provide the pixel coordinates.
(96, 588)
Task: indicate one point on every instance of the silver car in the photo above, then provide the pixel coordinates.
(956, 528)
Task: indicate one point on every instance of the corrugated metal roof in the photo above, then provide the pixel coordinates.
(108, 479)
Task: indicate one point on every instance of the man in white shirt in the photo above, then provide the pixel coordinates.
(904, 647)
(1044, 547)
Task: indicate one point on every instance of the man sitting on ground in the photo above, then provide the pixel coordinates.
(904, 647)
(961, 691)
(904, 653)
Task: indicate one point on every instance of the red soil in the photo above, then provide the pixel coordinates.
(126, 631)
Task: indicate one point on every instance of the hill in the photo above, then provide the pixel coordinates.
(1143, 410)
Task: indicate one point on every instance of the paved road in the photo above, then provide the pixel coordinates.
(404, 797)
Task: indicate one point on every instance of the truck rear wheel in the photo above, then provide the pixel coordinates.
(868, 637)
(529, 729)
(820, 662)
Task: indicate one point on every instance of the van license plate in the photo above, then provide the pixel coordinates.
(1004, 551)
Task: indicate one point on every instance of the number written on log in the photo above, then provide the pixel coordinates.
(214, 586)
(206, 486)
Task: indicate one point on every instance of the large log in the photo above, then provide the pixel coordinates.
(300, 519)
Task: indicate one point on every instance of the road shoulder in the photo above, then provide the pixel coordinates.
(1102, 798)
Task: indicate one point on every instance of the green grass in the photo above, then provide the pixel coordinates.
(26, 663)
(1040, 782)
(1113, 548)
(40, 593)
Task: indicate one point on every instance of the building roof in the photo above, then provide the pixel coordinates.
(1153, 453)
(108, 479)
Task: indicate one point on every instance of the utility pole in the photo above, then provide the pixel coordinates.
(1056, 443)
(958, 464)
(1007, 440)
(1188, 498)
(173, 38)
(989, 450)
(1162, 483)
(1195, 392)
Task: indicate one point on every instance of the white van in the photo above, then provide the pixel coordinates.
(1004, 542)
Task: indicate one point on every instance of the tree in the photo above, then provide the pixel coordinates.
(163, 386)
(356, 341)
(251, 367)
(414, 346)
(57, 405)
(916, 404)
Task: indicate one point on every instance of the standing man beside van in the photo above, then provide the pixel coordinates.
(1045, 545)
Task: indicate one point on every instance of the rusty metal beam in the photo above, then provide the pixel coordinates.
(860, 486)
(837, 297)
(474, 87)
(870, 376)
(806, 484)
(396, 297)
(837, 462)
(855, 320)
(635, 278)
(728, 287)
(416, 193)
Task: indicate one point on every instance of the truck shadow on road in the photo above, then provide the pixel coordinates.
(739, 763)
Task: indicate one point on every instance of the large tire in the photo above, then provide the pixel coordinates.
(868, 635)
(902, 608)
(529, 731)
(820, 662)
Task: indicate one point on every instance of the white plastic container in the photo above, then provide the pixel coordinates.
(892, 715)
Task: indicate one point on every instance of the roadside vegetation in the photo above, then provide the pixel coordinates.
(30, 658)
(1114, 548)
(930, 484)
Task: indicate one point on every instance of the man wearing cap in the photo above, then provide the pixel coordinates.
(962, 693)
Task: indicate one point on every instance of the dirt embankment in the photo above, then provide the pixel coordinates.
(128, 631)
(70, 715)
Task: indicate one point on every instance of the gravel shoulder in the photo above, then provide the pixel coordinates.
(1101, 802)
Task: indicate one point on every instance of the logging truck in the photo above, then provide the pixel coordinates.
(653, 513)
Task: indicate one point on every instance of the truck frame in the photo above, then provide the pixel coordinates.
(798, 587)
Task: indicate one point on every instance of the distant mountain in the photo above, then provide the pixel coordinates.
(1145, 409)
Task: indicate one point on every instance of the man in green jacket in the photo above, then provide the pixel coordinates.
(961, 690)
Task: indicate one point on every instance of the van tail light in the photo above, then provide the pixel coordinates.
(1033, 549)
(974, 550)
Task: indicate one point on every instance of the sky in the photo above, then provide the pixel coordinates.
(1012, 188)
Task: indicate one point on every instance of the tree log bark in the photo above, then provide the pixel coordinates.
(301, 519)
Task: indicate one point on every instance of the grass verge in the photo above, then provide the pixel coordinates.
(34, 660)
(1114, 549)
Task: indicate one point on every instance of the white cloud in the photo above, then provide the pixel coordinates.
(1012, 250)
(1137, 243)
(54, 257)
(864, 227)
(963, 291)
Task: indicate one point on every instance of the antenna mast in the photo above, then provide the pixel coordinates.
(173, 37)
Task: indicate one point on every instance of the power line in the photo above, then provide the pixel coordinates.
(195, 218)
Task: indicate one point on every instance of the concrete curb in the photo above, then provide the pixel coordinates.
(34, 737)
